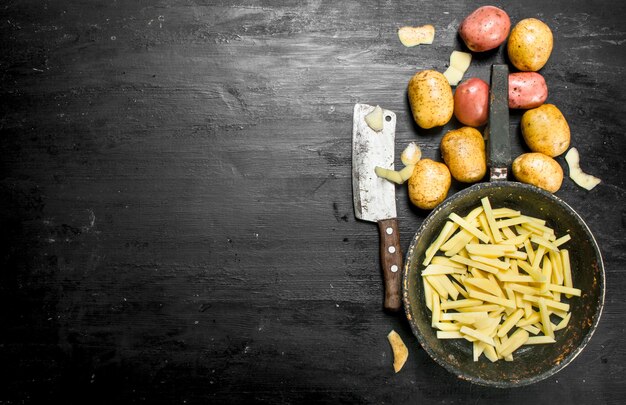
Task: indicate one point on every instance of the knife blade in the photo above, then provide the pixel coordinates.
(374, 197)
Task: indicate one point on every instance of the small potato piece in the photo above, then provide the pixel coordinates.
(412, 36)
(527, 90)
(539, 170)
(375, 119)
(530, 45)
(429, 184)
(463, 150)
(430, 96)
(546, 130)
(471, 102)
(459, 63)
(485, 28)
(400, 351)
(579, 177)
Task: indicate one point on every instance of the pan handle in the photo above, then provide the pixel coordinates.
(497, 134)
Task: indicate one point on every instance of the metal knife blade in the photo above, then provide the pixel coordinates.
(374, 197)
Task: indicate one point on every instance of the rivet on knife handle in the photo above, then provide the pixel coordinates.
(391, 260)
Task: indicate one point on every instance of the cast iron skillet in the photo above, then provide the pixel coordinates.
(531, 363)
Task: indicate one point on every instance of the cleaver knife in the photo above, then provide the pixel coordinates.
(375, 197)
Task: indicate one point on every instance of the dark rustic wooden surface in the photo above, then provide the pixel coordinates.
(176, 207)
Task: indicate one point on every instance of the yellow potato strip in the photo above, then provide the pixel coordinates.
(517, 339)
(562, 240)
(498, 264)
(447, 326)
(437, 269)
(565, 290)
(446, 232)
(477, 335)
(567, 271)
(545, 318)
(486, 285)
(437, 287)
(473, 263)
(449, 335)
(515, 278)
(491, 221)
(469, 227)
(447, 262)
(550, 303)
(460, 304)
(436, 315)
(529, 320)
(510, 321)
(532, 272)
(544, 242)
(428, 293)
(491, 298)
(504, 212)
(563, 322)
(531, 329)
(480, 308)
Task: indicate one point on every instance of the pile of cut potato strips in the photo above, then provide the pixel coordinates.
(497, 278)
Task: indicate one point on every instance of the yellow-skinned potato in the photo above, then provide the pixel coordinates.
(463, 150)
(539, 170)
(546, 130)
(530, 45)
(429, 184)
(430, 96)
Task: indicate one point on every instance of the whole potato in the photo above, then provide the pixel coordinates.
(546, 130)
(429, 184)
(527, 90)
(485, 28)
(463, 150)
(471, 102)
(430, 96)
(539, 170)
(530, 45)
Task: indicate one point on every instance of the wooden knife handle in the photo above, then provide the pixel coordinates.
(391, 260)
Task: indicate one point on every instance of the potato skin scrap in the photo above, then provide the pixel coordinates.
(431, 99)
(400, 351)
(413, 36)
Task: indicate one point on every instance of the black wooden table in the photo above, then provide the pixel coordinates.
(176, 206)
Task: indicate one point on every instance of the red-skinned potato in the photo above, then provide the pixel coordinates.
(527, 90)
(485, 28)
(471, 102)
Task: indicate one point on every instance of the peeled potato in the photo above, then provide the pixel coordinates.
(400, 351)
(539, 170)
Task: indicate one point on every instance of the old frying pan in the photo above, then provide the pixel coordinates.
(535, 362)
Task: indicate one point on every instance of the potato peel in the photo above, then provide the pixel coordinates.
(579, 177)
(400, 351)
(412, 36)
